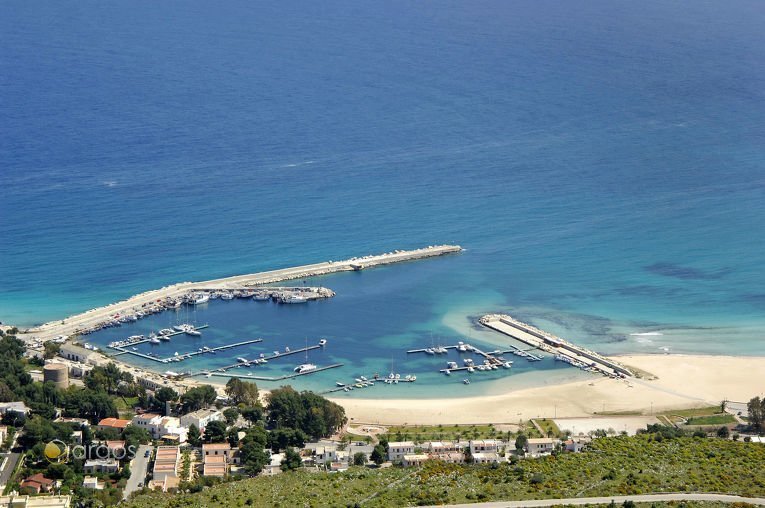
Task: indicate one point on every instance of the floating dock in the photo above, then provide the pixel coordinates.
(562, 349)
(278, 378)
(148, 339)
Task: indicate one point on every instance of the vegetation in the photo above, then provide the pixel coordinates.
(649, 462)
(305, 411)
(422, 433)
(549, 429)
(719, 419)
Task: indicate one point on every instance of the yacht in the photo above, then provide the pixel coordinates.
(507, 365)
(241, 359)
(154, 340)
(323, 342)
(227, 296)
(461, 347)
(180, 327)
(165, 331)
(430, 351)
(466, 381)
(306, 367)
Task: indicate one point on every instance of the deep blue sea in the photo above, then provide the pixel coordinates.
(603, 163)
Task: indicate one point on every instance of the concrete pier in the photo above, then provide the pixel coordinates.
(279, 378)
(92, 319)
(576, 355)
(184, 356)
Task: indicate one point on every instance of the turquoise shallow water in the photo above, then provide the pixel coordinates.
(602, 163)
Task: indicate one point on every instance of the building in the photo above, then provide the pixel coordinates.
(576, 444)
(113, 423)
(14, 407)
(150, 422)
(449, 457)
(324, 454)
(540, 446)
(414, 459)
(77, 437)
(439, 447)
(17, 501)
(485, 458)
(91, 482)
(36, 484)
(166, 463)
(201, 418)
(170, 429)
(274, 466)
(214, 465)
(216, 449)
(397, 449)
(116, 448)
(485, 446)
(93, 466)
(77, 353)
(56, 373)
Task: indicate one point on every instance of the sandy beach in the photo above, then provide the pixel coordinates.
(683, 381)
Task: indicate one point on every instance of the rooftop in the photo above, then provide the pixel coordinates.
(114, 422)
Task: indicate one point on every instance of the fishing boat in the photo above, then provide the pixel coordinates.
(227, 296)
(199, 298)
(293, 299)
(261, 297)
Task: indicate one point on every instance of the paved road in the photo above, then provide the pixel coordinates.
(8, 466)
(647, 498)
(138, 468)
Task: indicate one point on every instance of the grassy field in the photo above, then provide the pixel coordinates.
(614, 466)
(548, 427)
(687, 413)
(719, 419)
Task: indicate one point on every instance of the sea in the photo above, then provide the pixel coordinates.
(601, 163)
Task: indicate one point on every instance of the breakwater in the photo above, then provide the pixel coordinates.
(150, 301)
(563, 350)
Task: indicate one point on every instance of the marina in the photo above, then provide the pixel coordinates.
(165, 336)
(563, 350)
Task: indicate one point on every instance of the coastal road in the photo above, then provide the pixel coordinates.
(138, 468)
(8, 463)
(646, 498)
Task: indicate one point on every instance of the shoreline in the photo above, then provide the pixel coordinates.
(683, 381)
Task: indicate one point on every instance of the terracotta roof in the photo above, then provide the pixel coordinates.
(114, 422)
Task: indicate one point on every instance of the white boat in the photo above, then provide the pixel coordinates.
(430, 351)
(507, 365)
(154, 340)
(261, 297)
(466, 381)
(199, 298)
(165, 331)
(241, 359)
(338, 383)
(180, 327)
(294, 299)
(448, 372)
(306, 367)
(227, 296)
(323, 342)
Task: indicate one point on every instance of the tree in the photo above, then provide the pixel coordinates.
(242, 392)
(291, 460)
(756, 409)
(198, 397)
(378, 454)
(134, 435)
(215, 432)
(520, 443)
(231, 414)
(359, 459)
(254, 457)
(280, 439)
(723, 432)
(162, 396)
(307, 411)
(194, 435)
(232, 436)
(252, 414)
(51, 349)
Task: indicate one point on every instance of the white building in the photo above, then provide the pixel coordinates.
(14, 407)
(540, 446)
(485, 458)
(439, 447)
(485, 446)
(91, 482)
(324, 454)
(77, 353)
(414, 459)
(397, 449)
(201, 418)
(109, 465)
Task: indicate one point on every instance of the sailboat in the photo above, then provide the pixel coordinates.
(305, 367)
